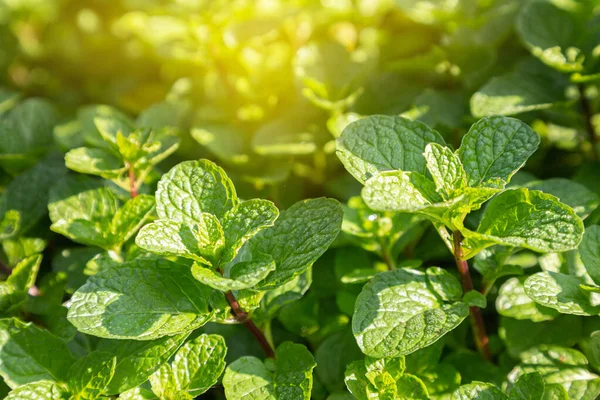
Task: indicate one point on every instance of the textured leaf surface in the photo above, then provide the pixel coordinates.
(94, 162)
(528, 387)
(582, 200)
(143, 299)
(512, 301)
(196, 367)
(129, 218)
(299, 237)
(446, 169)
(531, 219)
(40, 390)
(382, 143)
(397, 313)
(90, 375)
(478, 391)
(244, 221)
(137, 360)
(192, 188)
(249, 379)
(561, 292)
(29, 354)
(242, 275)
(495, 148)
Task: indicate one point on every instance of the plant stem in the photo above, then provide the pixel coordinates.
(242, 317)
(588, 113)
(132, 185)
(388, 259)
(477, 323)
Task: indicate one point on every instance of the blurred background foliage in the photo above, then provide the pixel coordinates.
(264, 87)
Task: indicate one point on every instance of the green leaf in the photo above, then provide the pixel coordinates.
(582, 200)
(298, 238)
(192, 188)
(91, 374)
(537, 25)
(24, 201)
(26, 133)
(24, 273)
(95, 162)
(446, 170)
(474, 299)
(396, 314)
(22, 247)
(589, 250)
(29, 354)
(137, 360)
(528, 387)
(200, 241)
(196, 367)
(561, 292)
(242, 275)
(478, 391)
(244, 221)
(129, 218)
(531, 86)
(494, 149)
(530, 219)
(512, 301)
(143, 299)
(332, 357)
(382, 143)
(40, 390)
(248, 378)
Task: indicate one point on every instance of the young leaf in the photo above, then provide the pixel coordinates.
(24, 273)
(397, 314)
(143, 300)
(95, 162)
(446, 170)
(196, 367)
(242, 275)
(478, 391)
(298, 238)
(129, 218)
(200, 241)
(249, 378)
(29, 354)
(383, 143)
(90, 375)
(494, 149)
(192, 188)
(244, 221)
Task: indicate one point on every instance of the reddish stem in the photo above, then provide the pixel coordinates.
(132, 185)
(477, 323)
(242, 317)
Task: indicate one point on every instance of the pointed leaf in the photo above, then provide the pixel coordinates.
(561, 292)
(242, 275)
(90, 375)
(446, 169)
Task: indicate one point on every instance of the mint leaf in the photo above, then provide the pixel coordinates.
(130, 217)
(298, 238)
(589, 250)
(200, 241)
(444, 284)
(446, 170)
(494, 149)
(40, 390)
(249, 378)
(530, 219)
(397, 313)
(192, 188)
(582, 200)
(528, 387)
(512, 301)
(537, 24)
(90, 375)
(24, 273)
(95, 162)
(382, 143)
(561, 292)
(242, 275)
(478, 391)
(143, 299)
(29, 354)
(137, 360)
(244, 221)
(196, 367)
(474, 299)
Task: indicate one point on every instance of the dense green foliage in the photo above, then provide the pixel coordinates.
(301, 199)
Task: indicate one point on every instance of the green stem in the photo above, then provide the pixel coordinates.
(477, 322)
